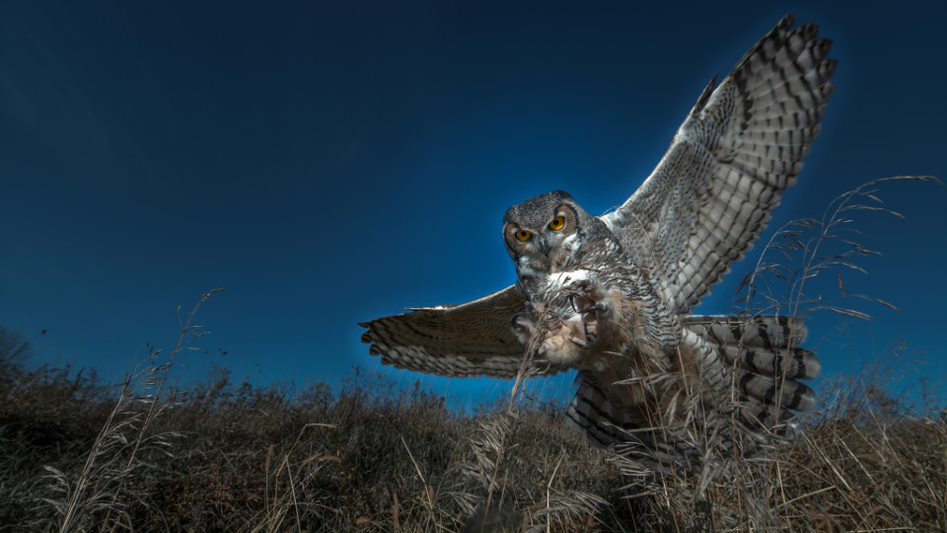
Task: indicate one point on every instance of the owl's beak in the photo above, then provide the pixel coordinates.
(543, 246)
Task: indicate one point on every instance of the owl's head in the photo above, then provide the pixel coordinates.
(547, 233)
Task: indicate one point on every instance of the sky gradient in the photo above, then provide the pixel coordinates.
(328, 163)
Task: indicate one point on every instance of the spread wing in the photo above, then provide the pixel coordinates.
(472, 339)
(740, 147)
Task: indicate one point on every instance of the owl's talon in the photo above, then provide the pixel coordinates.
(582, 305)
(591, 335)
(523, 327)
(521, 324)
(593, 309)
(579, 302)
(580, 342)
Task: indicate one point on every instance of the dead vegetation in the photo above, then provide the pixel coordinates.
(232, 457)
(78, 455)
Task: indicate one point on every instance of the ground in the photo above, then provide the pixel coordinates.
(231, 457)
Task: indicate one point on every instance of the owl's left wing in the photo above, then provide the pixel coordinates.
(740, 147)
(471, 339)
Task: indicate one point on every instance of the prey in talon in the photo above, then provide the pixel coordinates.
(590, 303)
(573, 316)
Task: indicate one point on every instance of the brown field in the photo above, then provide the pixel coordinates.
(76, 455)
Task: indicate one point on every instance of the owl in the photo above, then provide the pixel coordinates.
(665, 388)
(613, 296)
(557, 247)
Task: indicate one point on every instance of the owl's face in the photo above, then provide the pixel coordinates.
(545, 234)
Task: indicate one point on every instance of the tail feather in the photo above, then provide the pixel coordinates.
(597, 411)
(758, 332)
(756, 414)
(777, 392)
(793, 363)
(765, 360)
(592, 412)
(751, 367)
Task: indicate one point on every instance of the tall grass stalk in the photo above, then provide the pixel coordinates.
(104, 469)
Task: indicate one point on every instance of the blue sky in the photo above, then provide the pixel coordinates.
(328, 163)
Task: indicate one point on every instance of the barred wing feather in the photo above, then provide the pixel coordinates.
(740, 147)
(472, 339)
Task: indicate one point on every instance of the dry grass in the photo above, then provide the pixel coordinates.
(76, 455)
(238, 458)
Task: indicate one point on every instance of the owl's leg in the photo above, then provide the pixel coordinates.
(590, 301)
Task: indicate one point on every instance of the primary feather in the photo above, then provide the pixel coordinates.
(740, 147)
(472, 339)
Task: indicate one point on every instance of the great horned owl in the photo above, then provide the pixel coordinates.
(593, 305)
(560, 250)
(621, 288)
(665, 387)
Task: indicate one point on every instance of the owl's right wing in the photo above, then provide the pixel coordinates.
(471, 339)
(742, 145)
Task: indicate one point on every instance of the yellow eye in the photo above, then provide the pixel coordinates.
(523, 235)
(557, 223)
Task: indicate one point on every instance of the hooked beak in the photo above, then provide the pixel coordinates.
(543, 245)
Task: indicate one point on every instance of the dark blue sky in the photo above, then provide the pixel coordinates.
(328, 163)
